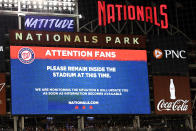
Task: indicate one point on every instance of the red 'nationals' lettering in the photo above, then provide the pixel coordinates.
(106, 14)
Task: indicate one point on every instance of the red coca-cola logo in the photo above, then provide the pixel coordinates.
(178, 105)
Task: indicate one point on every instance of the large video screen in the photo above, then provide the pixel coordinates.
(54, 80)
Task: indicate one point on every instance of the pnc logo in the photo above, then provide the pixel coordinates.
(157, 53)
(169, 54)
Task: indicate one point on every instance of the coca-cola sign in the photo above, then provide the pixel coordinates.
(2, 94)
(178, 105)
(172, 95)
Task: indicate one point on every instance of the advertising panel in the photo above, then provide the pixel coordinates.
(2, 94)
(52, 80)
(169, 56)
(172, 95)
(77, 39)
(49, 23)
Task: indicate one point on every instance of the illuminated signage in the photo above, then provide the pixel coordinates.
(172, 95)
(168, 55)
(107, 14)
(77, 39)
(54, 80)
(49, 23)
(2, 94)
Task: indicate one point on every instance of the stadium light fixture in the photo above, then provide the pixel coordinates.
(52, 6)
(63, 8)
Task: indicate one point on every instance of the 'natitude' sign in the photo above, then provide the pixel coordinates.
(77, 39)
(49, 23)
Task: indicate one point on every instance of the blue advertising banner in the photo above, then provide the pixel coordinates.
(49, 23)
(51, 80)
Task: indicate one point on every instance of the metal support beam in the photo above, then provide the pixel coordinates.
(194, 102)
(19, 16)
(77, 17)
(79, 123)
(191, 122)
(82, 122)
(23, 13)
(15, 123)
(19, 22)
(22, 123)
(136, 122)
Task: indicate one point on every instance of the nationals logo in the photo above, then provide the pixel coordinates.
(26, 55)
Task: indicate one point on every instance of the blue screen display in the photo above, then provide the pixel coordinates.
(78, 86)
